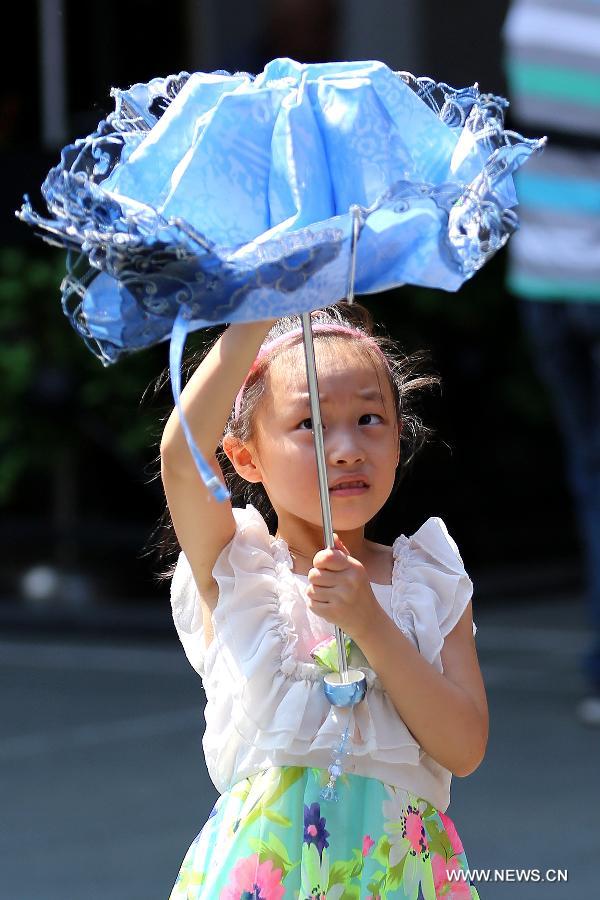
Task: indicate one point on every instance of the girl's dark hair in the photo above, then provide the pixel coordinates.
(402, 372)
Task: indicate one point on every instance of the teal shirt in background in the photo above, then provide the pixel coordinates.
(552, 60)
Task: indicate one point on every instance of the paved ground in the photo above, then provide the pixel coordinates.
(103, 785)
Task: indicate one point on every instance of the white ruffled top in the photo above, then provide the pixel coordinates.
(265, 701)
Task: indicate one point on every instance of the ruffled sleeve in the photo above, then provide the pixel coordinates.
(240, 558)
(431, 588)
(187, 617)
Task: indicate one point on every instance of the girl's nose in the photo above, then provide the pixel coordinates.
(343, 450)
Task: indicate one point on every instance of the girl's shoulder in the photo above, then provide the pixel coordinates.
(431, 538)
(381, 562)
(430, 577)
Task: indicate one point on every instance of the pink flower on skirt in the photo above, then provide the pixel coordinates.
(255, 879)
(368, 843)
(455, 841)
(453, 889)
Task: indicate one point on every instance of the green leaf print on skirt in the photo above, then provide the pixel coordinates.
(271, 837)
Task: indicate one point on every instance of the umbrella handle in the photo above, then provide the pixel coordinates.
(315, 412)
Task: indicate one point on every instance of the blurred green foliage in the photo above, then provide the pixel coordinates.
(55, 393)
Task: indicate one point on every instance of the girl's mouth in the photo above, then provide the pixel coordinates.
(349, 489)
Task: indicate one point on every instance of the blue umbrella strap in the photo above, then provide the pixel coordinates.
(178, 336)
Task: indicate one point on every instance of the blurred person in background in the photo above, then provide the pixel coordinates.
(552, 59)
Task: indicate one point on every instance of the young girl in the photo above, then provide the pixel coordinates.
(256, 614)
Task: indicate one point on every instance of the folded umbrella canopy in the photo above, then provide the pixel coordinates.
(212, 198)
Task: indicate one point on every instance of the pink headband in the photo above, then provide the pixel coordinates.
(283, 338)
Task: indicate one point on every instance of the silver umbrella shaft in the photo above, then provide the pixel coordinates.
(315, 412)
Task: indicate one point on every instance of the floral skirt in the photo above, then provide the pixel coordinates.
(271, 836)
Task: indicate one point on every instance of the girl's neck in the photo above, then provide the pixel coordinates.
(377, 559)
(305, 540)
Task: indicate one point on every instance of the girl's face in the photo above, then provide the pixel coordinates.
(360, 434)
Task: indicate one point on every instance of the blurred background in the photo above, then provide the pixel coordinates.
(103, 770)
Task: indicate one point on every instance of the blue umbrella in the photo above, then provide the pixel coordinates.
(212, 198)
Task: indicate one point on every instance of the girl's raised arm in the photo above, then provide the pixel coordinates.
(203, 524)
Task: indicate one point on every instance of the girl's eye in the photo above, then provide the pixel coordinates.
(367, 415)
(309, 420)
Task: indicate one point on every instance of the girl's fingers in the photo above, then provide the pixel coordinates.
(333, 560)
(320, 594)
(320, 578)
(339, 543)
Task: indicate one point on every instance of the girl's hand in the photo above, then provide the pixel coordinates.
(340, 592)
